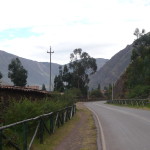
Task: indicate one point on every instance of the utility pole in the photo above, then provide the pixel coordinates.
(112, 91)
(50, 52)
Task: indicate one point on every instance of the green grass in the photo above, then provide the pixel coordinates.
(19, 110)
(89, 140)
(147, 107)
(51, 141)
(87, 130)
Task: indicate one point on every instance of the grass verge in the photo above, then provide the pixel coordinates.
(51, 141)
(89, 139)
(87, 132)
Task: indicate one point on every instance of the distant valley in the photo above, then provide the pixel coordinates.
(108, 71)
(38, 72)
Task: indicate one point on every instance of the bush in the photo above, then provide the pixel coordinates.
(72, 93)
(96, 93)
(139, 91)
(25, 109)
(17, 111)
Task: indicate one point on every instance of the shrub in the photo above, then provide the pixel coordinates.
(96, 93)
(25, 109)
(139, 91)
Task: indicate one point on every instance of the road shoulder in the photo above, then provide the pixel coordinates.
(79, 133)
(83, 134)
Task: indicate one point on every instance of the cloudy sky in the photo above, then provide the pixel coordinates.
(99, 27)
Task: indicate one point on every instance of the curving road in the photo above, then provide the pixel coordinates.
(121, 128)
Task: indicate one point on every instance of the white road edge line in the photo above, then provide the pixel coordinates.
(124, 112)
(101, 130)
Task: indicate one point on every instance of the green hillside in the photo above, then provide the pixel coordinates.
(135, 81)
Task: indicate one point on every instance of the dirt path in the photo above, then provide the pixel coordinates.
(83, 134)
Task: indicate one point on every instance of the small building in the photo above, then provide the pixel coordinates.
(33, 87)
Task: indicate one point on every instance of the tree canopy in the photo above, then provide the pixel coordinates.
(58, 81)
(138, 72)
(43, 87)
(76, 74)
(138, 34)
(17, 73)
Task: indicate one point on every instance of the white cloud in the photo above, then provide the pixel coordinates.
(101, 28)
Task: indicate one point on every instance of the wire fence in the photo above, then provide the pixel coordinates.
(21, 135)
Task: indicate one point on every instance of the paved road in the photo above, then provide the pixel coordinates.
(122, 128)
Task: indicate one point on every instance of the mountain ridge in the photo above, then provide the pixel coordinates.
(38, 72)
(112, 70)
(135, 81)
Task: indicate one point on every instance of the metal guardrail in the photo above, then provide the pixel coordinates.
(46, 122)
(132, 102)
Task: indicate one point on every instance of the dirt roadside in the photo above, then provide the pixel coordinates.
(83, 135)
(79, 133)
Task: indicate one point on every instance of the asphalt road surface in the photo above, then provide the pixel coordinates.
(121, 128)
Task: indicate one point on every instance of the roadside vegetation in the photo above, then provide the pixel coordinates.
(18, 110)
(80, 131)
(135, 82)
(138, 72)
(71, 83)
(146, 107)
(96, 93)
(82, 123)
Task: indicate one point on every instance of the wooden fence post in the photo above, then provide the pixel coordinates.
(62, 117)
(1, 146)
(25, 136)
(41, 131)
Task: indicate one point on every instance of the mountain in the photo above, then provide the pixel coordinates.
(112, 69)
(135, 81)
(38, 72)
(100, 62)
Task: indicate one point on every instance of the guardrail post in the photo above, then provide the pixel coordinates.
(58, 120)
(69, 113)
(66, 115)
(52, 123)
(25, 136)
(73, 110)
(62, 117)
(143, 103)
(41, 131)
(137, 102)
